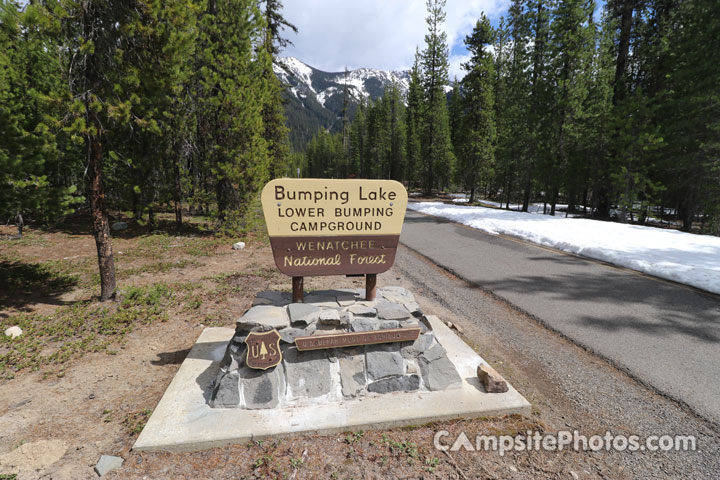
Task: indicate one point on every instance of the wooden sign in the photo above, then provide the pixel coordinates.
(335, 340)
(263, 349)
(333, 227)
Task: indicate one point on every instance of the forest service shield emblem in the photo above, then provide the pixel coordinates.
(263, 349)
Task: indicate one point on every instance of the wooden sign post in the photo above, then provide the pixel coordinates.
(334, 227)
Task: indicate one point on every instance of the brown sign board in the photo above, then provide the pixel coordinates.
(263, 349)
(336, 340)
(333, 227)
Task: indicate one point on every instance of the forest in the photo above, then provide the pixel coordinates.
(147, 106)
(138, 105)
(612, 111)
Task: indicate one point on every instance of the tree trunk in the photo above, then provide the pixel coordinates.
(101, 225)
(528, 186)
(177, 196)
(472, 195)
(20, 224)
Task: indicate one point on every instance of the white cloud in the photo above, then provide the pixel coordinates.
(374, 33)
(456, 70)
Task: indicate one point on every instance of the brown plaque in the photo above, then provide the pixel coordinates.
(263, 349)
(306, 256)
(335, 340)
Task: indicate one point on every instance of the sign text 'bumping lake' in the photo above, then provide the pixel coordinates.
(333, 227)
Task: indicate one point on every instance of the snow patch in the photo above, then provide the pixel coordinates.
(678, 256)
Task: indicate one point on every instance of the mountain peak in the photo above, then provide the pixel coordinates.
(316, 98)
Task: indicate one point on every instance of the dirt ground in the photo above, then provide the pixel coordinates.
(83, 378)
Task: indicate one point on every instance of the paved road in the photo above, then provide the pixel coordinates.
(665, 335)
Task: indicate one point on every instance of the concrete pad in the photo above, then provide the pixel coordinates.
(183, 421)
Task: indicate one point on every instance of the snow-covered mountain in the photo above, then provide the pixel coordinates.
(316, 97)
(363, 83)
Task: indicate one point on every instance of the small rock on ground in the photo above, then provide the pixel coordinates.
(238, 246)
(13, 331)
(108, 463)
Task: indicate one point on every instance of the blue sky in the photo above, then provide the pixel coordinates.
(381, 34)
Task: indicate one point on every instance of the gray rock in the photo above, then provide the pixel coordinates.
(362, 311)
(302, 313)
(382, 363)
(389, 311)
(272, 297)
(262, 318)
(108, 463)
(396, 294)
(234, 357)
(433, 353)
(13, 332)
(118, 226)
(439, 374)
(422, 343)
(308, 373)
(395, 384)
(352, 375)
(345, 298)
(226, 393)
(385, 324)
(238, 246)
(414, 309)
(262, 388)
(329, 316)
(364, 324)
(288, 335)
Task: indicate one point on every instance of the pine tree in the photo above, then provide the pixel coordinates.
(570, 47)
(478, 152)
(537, 20)
(437, 154)
(690, 111)
(413, 122)
(230, 101)
(100, 43)
(30, 156)
(276, 132)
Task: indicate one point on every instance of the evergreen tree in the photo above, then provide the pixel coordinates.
(104, 56)
(571, 42)
(230, 101)
(31, 162)
(437, 154)
(413, 122)
(276, 132)
(478, 152)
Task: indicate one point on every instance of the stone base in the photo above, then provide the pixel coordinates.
(183, 420)
(337, 374)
